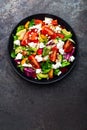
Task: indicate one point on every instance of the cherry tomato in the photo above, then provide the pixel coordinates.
(38, 21)
(24, 42)
(40, 51)
(53, 56)
(54, 48)
(49, 31)
(33, 61)
(54, 22)
(68, 46)
(60, 35)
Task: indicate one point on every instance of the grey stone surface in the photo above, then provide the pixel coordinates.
(26, 106)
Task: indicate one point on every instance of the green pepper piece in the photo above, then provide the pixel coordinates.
(31, 23)
(56, 71)
(65, 63)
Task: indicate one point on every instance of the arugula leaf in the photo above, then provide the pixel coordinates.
(15, 37)
(21, 67)
(31, 23)
(19, 28)
(13, 55)
(46, 66)
(45, 51)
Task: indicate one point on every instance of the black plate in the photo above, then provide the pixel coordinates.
(10, 48)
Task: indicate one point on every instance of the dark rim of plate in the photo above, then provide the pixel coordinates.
(10, 47)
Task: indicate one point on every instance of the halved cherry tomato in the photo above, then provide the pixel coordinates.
(68, 46)
(54, 22)
(54, 48)
(33, 61)
(38, 21)
(53, 56)
(49, 31)
(46, 30)
(50, 74)
(23, 42)
(40, 51)
(54, 36)
(60, 35)
(33, 36)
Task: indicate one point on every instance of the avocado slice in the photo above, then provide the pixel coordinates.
(66, 33)
(40, 76)
(21, 34)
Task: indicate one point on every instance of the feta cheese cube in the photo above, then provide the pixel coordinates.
(27, 65)
(72, 58)
(59, 73)
(39, 58)
(32, 44)
(45, 58)
(48, 20)
(58, 29)
(17, 42)
(57, 65)
(41, 45)
(38, 71)
(61, 51)
(19, 56)
(38, 27)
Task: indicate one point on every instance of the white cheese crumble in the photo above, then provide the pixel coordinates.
(59, 73)
(19, 56)
(32, 44)
(48, 20)
(58, 29)
(38, 71)
(72, 58)
(38, 26)
(57, 65)
(17, 42)
(61, 51)
(60, 46)
(39, 58)
(45, 58)
(41, 45)
(27, 65)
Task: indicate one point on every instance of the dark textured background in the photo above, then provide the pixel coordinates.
(60, 106)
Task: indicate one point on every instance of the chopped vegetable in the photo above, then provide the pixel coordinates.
(20, 34)
(41, 76)
(31, 23)
(50, 74)
(46, 66)
(19, 28)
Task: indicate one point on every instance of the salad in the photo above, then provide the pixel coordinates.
(43, 48)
